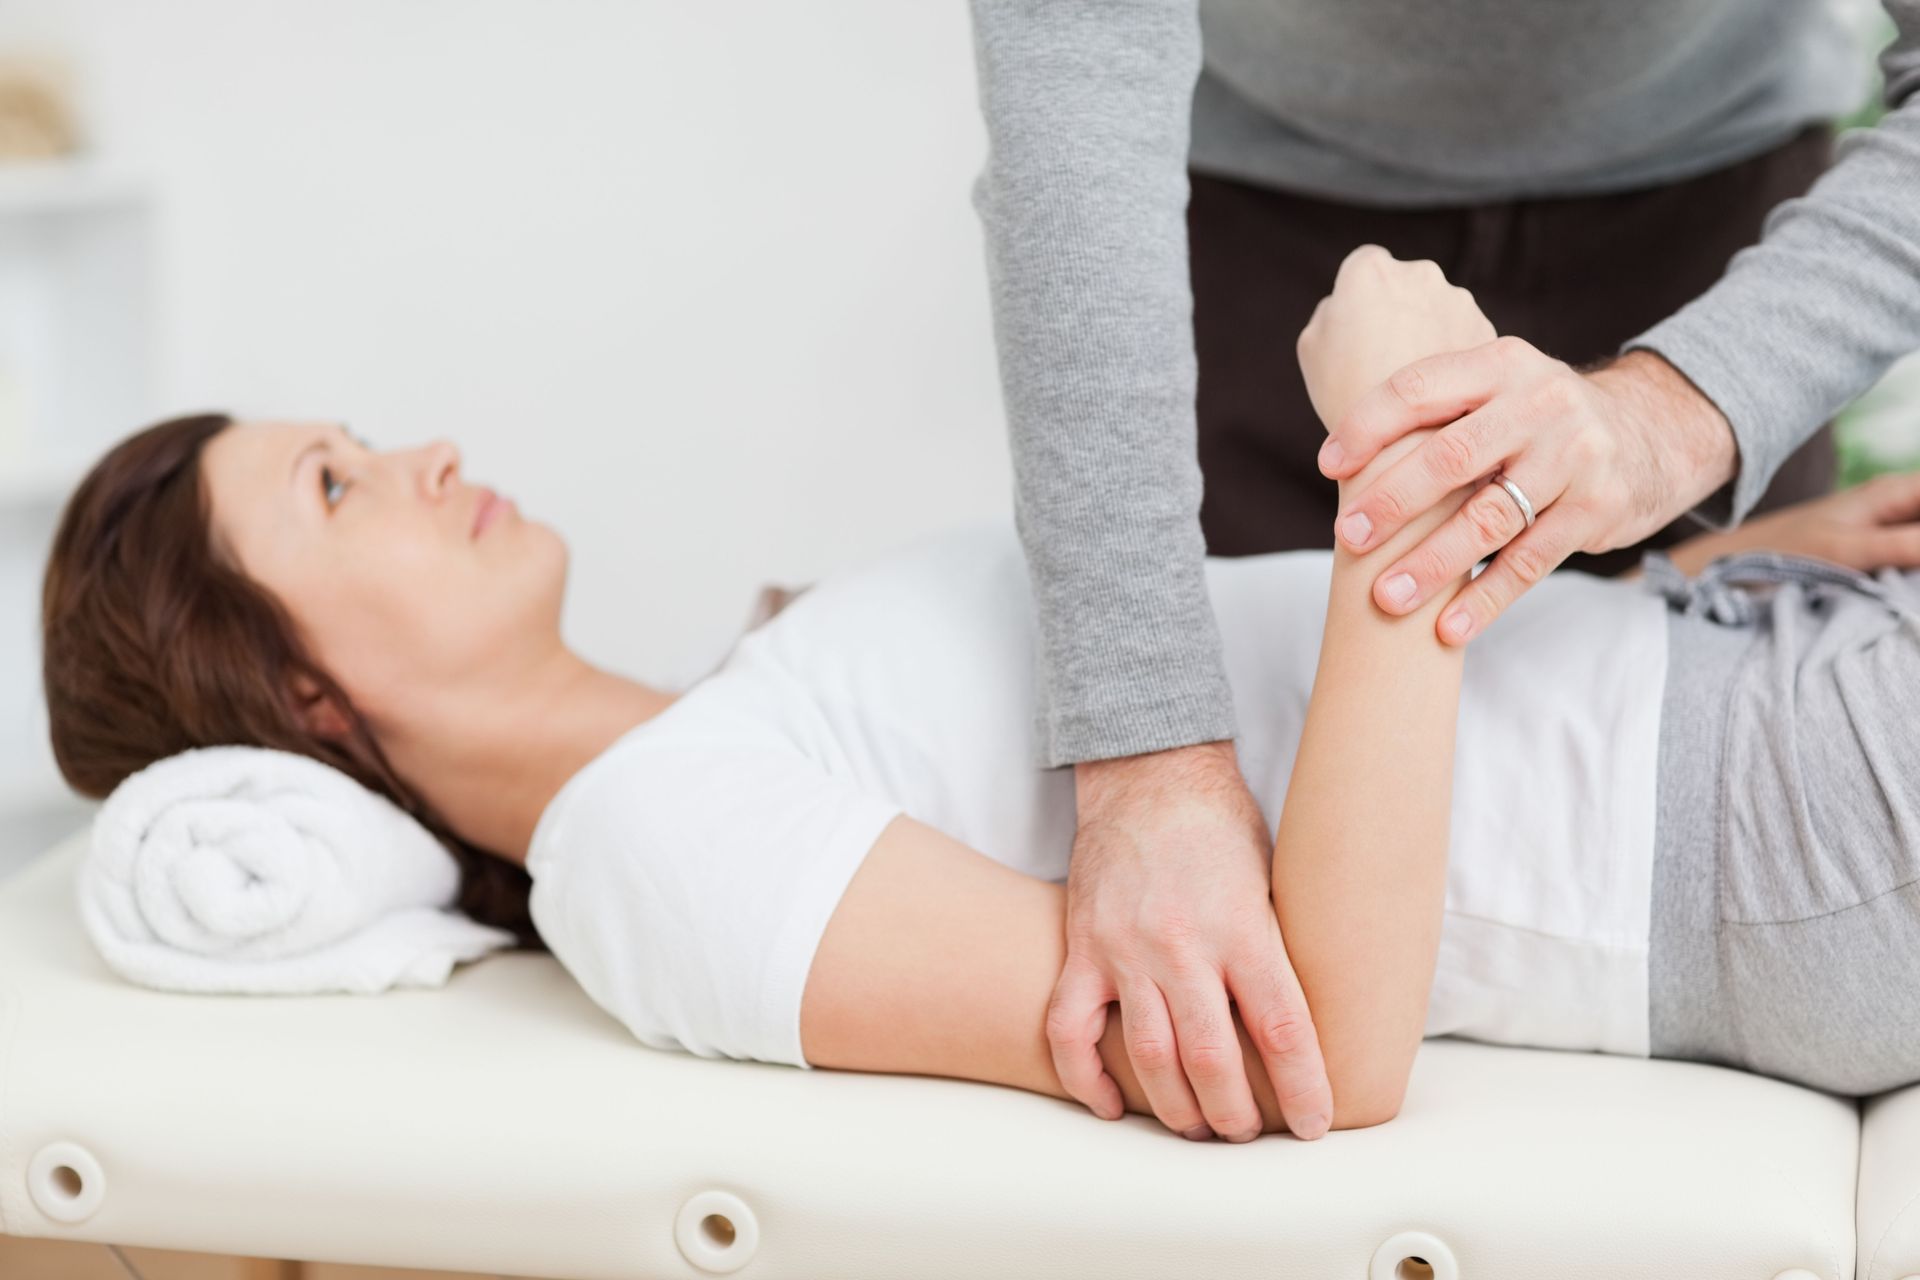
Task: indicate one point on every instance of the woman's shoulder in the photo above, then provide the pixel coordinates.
(709, 737)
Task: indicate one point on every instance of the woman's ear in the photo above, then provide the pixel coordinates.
(320, 713)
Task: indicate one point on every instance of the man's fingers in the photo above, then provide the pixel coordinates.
(1472, 447)
(1210, 1052)
(1488, 521)
(1274, 1010)
(1895, 496)
(1520, 564)
(1076, 1019)
(1427, 393)
(1147, 1029)
(1896, 546)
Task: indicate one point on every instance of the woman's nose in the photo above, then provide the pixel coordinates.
(441, 464)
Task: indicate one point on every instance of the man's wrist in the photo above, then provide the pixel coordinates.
(1099, 782)
(1700, 450)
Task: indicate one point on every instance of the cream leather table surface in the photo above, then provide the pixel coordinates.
(505, 1124)
(1889, 1214)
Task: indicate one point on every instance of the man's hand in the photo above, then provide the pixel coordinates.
(1606, 456)
(1170, 911)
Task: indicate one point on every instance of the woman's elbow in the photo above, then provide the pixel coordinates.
(1373, 1093)
(1368, 1079)
(1356, 1105)
(1366, 1112)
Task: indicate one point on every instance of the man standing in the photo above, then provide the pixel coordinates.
(1591, 170)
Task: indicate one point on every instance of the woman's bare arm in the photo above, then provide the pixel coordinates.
(1360, 859)
(1867, 526)
(1359, 864)
(940, 961)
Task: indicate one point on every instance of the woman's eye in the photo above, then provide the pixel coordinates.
(327, 484)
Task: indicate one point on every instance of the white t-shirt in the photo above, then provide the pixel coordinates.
(686, 874)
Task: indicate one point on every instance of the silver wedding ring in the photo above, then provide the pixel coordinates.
(1519, 498)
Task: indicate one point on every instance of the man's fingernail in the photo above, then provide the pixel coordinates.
(1313, 1126)
(1457, 625)
(1332, 456)
(1356, 529)
(1398, 588)
(1199, 1133)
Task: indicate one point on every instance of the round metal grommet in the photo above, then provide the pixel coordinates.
(65, 1182)
(1413, 1255)
(716, 1231)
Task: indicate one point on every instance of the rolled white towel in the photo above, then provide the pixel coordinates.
(258, 871)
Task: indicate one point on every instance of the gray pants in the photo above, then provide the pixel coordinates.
(1786, 882)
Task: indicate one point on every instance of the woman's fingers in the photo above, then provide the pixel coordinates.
(1893, 546)
(1489, 520)
(1894, 496)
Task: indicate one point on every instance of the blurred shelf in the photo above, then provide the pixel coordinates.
(65, 186)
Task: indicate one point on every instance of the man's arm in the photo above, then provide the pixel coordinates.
(1083, 202)
(1811, 315)
(1696, 414)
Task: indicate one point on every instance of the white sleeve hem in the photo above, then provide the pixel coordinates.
(791, 952)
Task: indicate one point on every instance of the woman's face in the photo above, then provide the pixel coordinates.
(397, 590)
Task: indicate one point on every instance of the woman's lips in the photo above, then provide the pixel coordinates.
(491, 505)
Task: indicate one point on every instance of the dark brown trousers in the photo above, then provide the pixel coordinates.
(1575, 277)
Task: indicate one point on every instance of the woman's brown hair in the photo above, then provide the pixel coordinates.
(152, 643)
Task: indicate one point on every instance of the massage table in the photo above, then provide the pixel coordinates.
(504, 1124)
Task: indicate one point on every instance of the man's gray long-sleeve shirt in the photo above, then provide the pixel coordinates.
(1094, 109)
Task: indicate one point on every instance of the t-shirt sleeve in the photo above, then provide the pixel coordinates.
(687, 885)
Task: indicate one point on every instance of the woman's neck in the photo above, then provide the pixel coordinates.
(491, 766)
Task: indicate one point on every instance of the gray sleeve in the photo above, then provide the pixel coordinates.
(1812, 314)
(1083, 206)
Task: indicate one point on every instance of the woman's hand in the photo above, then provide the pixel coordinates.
(1866, 526)
(1383, 314)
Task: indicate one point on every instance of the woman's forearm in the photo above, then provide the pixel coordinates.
(1693, 554)
(1359, 864)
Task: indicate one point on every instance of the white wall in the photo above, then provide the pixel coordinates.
(699, 284)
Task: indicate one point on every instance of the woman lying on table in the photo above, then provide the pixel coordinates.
(1661, 817)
